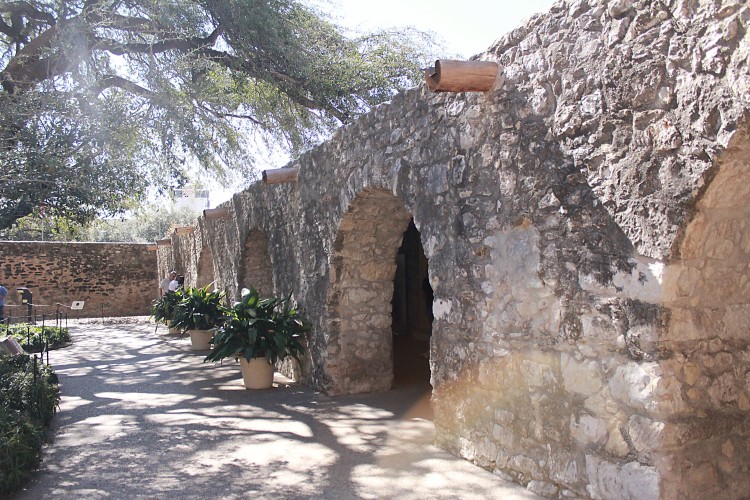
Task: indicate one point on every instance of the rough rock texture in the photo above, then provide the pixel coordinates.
(113, 279)
(586, 227)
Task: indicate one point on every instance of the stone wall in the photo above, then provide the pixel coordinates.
(585, 226)
(113, 279)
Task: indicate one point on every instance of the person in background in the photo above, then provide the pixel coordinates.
(174, 284)
(3, 295)
(164, 287)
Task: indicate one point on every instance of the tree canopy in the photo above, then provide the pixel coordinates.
(103, 98)
(146, 223)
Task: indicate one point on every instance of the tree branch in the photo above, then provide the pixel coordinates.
(7, 30)
(139, 24)
(291, 86)
(28, 10)
(124, 84)
(184, 45)
(220, 114)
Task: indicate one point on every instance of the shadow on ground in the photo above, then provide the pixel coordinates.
(143, 416)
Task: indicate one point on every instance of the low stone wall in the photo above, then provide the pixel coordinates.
(113, 279)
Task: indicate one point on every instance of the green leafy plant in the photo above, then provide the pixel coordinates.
(163, 309)
(28, 388)
(257, 328)
(31, 337)
(198, 309)
(20, 449)
(28, 400)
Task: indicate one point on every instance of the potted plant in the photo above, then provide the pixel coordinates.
(259, 332)
(162, 310)
(198, 312)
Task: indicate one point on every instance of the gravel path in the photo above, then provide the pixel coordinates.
(142, 416)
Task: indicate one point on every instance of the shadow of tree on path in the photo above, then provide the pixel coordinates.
(143, 416)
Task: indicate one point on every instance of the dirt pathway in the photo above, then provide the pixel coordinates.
(143, 416)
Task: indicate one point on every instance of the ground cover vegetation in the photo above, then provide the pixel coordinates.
(103, 98)
(34, 338)
(29, 396)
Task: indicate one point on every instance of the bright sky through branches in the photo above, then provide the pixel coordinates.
(467, 27)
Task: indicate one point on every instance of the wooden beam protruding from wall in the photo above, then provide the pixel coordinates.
(280, 175)
(164, 242)
(184, 230)
(216, 213)
(461, 76)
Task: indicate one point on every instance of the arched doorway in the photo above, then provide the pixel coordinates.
(359, 343)
(708, 294)
(411, 312)
(255, 267)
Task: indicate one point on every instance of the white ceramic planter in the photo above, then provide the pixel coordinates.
(257, 374)
(200, 340)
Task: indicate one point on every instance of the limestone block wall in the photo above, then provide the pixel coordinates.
(114, 279)
(586, 235)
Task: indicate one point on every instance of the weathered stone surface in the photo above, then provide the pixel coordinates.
(581, 378)
(542, 488)
(646, 435)
(588, 430)
(628, 481)
(586, 230)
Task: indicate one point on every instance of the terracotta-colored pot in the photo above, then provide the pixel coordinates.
(257, 374)
(200, 340)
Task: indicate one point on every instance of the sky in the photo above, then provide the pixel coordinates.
(466, 27)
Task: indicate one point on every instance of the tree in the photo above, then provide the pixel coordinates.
(102, 98)
(40, 227)
(144, 224)
(148, 224)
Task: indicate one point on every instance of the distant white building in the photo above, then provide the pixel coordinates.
(197, 199)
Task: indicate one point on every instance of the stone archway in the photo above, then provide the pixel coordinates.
(708, 295)
(256, 268)
(206, 274)
(363, 266)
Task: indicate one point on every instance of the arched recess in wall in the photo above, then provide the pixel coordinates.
(206, 274)
(708, 288)
(361, 293)
(708, 294)
(255, 265)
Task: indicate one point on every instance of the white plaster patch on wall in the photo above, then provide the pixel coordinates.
(646, 386)
(580, 378)
(644, 282)
(516, 297)
(441, 308)
(434, 244)
(515, 257)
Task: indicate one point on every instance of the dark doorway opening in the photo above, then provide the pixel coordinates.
(411, 313)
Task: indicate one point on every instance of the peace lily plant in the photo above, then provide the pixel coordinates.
(260, 332)
(199, 312)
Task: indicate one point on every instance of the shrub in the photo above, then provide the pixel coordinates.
(162, 309)
(257, 328)
(28, 400)
(20, 449)
(198, 309)
(30, 336)
(22, 390)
